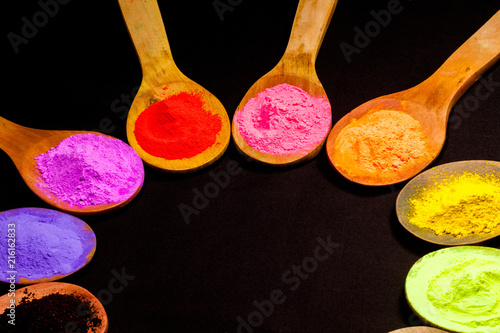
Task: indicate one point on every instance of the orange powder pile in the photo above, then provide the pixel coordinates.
(379, 146)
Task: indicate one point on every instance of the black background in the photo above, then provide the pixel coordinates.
(78, 72)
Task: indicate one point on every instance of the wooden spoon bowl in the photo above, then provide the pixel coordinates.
(418, 329)
(162, 79)
(15, 221)
(429, 179)
(429, 102)
(23, 144)
(297, 68)
(466, 300)
(40, 290)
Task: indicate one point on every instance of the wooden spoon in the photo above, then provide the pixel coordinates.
(162, 79)
(40, 290)
(432, 177)
(14, 222)
(430, 102)
(446, 272)
(23, 144)
(297, 68)
(418, 329)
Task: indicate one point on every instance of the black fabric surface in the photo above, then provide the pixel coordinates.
(254, 241)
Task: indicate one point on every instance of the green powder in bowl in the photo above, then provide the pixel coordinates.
(457, 289)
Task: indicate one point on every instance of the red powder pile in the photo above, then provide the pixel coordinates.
(177, 127)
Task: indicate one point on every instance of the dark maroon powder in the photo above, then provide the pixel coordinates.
(52, 313)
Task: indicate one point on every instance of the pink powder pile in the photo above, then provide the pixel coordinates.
(284, 119)
(91, 169)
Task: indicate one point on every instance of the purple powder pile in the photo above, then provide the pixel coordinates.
(40, 243)
(91, 169)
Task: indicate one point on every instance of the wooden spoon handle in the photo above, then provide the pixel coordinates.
(464, 66)
(146, 28)
(15, 139)
(309, 28)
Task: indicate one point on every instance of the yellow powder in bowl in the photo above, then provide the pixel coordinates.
(459, 205)
(380, 145)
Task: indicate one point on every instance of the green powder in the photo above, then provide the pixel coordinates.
(458, 288)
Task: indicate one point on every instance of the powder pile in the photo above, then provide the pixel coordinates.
(177, 127)
(380, 145)
(458, 288)
(52, 313)
(47, 243)
(461, 204)
(91, 169)
(284, 119)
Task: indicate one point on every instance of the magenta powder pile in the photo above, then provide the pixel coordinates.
(284, 119)
(91, 169)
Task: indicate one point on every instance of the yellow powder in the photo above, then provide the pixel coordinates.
(467, 203)
(380, 145)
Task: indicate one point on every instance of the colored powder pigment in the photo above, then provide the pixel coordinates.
(461, 204)
(177, 127)
(379, 146)
(91, 169)
(283, 120)
(458, 288)
(52, 313)
(42, 244)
